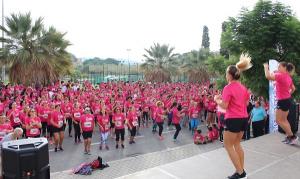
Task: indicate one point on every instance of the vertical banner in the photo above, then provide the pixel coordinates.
(273, 65)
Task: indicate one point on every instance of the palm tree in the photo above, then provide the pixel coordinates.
(159, 63)
(33, 54)
(194, 65)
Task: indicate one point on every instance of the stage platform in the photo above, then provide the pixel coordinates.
(265, 158)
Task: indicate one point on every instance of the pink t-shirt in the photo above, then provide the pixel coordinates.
(158, 115)
(119, 120)
(237, 96)
(34, 131)
(87, 122)
(175, 119)
(283, 85)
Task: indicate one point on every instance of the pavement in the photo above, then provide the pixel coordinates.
(147, 143)
(265, 158)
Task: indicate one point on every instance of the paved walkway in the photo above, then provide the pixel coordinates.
(266, 157)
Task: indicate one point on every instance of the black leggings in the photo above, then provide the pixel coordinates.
(146, 116)
(44, 128)
(77, 131)
(178, 128)
(120, 133)
(160, 127)
(133, 132)
(69, 119)
(258, 128)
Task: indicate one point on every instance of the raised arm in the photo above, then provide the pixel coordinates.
(268, 74)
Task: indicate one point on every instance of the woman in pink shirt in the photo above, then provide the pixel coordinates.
(159, 118)
(104, 127)
(176, 117)
(119, 122)
(132, 123)
(76, 115)
(234, 99)
(58, 127)
(33, 125)
(87, 124)
(284, 89)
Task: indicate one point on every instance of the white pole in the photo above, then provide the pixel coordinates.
(3, 67)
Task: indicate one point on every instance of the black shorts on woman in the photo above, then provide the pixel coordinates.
(284, 104)
(236, 125)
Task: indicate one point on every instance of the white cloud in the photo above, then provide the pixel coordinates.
(106, 28)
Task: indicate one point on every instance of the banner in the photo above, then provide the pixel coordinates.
(273, 65)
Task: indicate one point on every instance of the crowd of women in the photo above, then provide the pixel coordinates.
(111, 107)
(114, 106)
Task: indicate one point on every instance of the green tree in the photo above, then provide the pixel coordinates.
(160, 63)
(194, 65)
(33, 54)
(269, 31)
(205, 38)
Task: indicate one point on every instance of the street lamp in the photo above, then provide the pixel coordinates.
(3, 67)
(128, 51)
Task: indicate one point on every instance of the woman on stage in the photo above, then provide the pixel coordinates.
(284, 88)
(234, 99)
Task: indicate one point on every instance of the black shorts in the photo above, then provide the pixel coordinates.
(56, 130)
(284, 104)
(87, 135)
(236, 125)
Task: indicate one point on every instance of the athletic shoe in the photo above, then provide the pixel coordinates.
(174, 140)
(293, 140)
(89, 153)
(130, 142)
(122, 145)
(55, 150)
(61, 149)
(85, 152)
(106, 147)
(238, 176)
(117, 146)
(100, 147)
(286, 140)
(133, 142)
(70, 135)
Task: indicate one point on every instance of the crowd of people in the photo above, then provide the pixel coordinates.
(115, 106)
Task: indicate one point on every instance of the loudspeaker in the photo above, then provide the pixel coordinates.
(293, 118)
(26, 159)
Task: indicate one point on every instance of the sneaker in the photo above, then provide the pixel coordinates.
(238, 176)
(85, 152)
(100, 147)
(293, 140)
(106, 147)
(174, 140)
(234, 176)
(70, 135)
(286, 140)
(122, 145)
(243, 175)
(117, 146)
(89, 153)
(130, 142)
(61, 149)
(55, 150)
(133, 142)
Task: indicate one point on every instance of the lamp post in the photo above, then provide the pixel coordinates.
(3, 67)
(128, 51)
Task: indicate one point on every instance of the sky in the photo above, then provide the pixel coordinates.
(122, 29)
